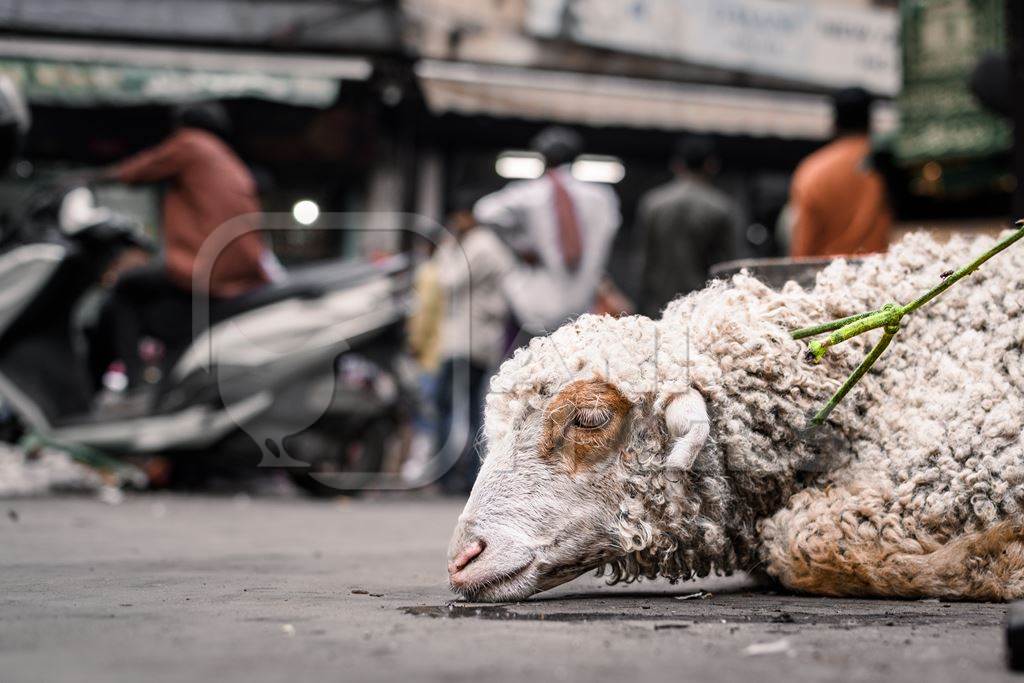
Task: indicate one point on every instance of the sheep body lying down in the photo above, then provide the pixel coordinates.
(680, 447)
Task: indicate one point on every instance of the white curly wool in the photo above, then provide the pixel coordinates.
(893, 496)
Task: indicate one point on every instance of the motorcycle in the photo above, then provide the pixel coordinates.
(301, 374)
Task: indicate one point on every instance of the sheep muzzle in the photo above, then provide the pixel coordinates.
(544, 507)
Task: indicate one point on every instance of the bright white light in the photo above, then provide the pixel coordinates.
(519, 165)
(306, 211)
(598, 169)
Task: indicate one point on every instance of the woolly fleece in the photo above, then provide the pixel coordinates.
(914, 487)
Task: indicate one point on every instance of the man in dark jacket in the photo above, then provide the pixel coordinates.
(685, 226)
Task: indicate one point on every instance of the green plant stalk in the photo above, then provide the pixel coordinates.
(888, 317)
(865, 365)
(890, 314)
(965, 271)
(828, 327)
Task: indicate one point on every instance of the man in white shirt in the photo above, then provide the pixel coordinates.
(560, 228)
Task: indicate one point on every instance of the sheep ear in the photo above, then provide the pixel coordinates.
(686, 416)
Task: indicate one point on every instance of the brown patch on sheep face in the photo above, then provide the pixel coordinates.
(583, 424)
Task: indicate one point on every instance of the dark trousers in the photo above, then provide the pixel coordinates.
(460, 388)
(144, 302)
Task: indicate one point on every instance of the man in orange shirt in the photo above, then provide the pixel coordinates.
(207, 186)
(838, 201)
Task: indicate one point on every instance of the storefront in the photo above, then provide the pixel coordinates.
(482, 111)
(951, 154)
(311, 93)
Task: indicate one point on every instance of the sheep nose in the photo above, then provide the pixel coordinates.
(469, 552)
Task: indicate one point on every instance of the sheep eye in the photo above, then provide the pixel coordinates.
(591, 418)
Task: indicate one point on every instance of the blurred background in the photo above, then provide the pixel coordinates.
(681, 126)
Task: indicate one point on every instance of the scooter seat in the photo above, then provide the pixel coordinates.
(309, 282)
(266, 295)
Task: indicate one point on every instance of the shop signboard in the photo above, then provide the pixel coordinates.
(939, 117)
(819, 44)
(92, 84)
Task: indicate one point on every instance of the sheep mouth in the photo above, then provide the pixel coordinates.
(506, 585)
(521, 583)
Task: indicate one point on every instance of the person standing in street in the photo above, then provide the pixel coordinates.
(838, 201)
(684, 226)
(471, 264)
(561, 230)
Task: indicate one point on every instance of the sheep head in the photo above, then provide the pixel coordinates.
(578, 427)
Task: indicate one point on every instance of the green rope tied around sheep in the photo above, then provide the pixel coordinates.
(889, 318)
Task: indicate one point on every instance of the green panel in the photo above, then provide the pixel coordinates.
(939, 118)
(81, 84)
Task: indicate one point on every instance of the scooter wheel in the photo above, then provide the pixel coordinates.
(344, 469)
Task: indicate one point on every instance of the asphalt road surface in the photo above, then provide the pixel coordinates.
(166, 588)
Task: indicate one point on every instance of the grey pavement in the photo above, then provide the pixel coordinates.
(187, 588)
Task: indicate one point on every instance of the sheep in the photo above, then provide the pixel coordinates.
(680, 447)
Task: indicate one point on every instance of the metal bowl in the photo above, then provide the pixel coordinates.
(776, 272)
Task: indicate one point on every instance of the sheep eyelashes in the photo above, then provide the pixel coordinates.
(591, 417)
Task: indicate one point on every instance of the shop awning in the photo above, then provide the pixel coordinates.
(334, 26)
(84, 73)
(591, 100)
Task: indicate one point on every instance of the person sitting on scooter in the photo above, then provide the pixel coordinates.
(208, 187)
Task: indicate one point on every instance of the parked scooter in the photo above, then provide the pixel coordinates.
(301, 373)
